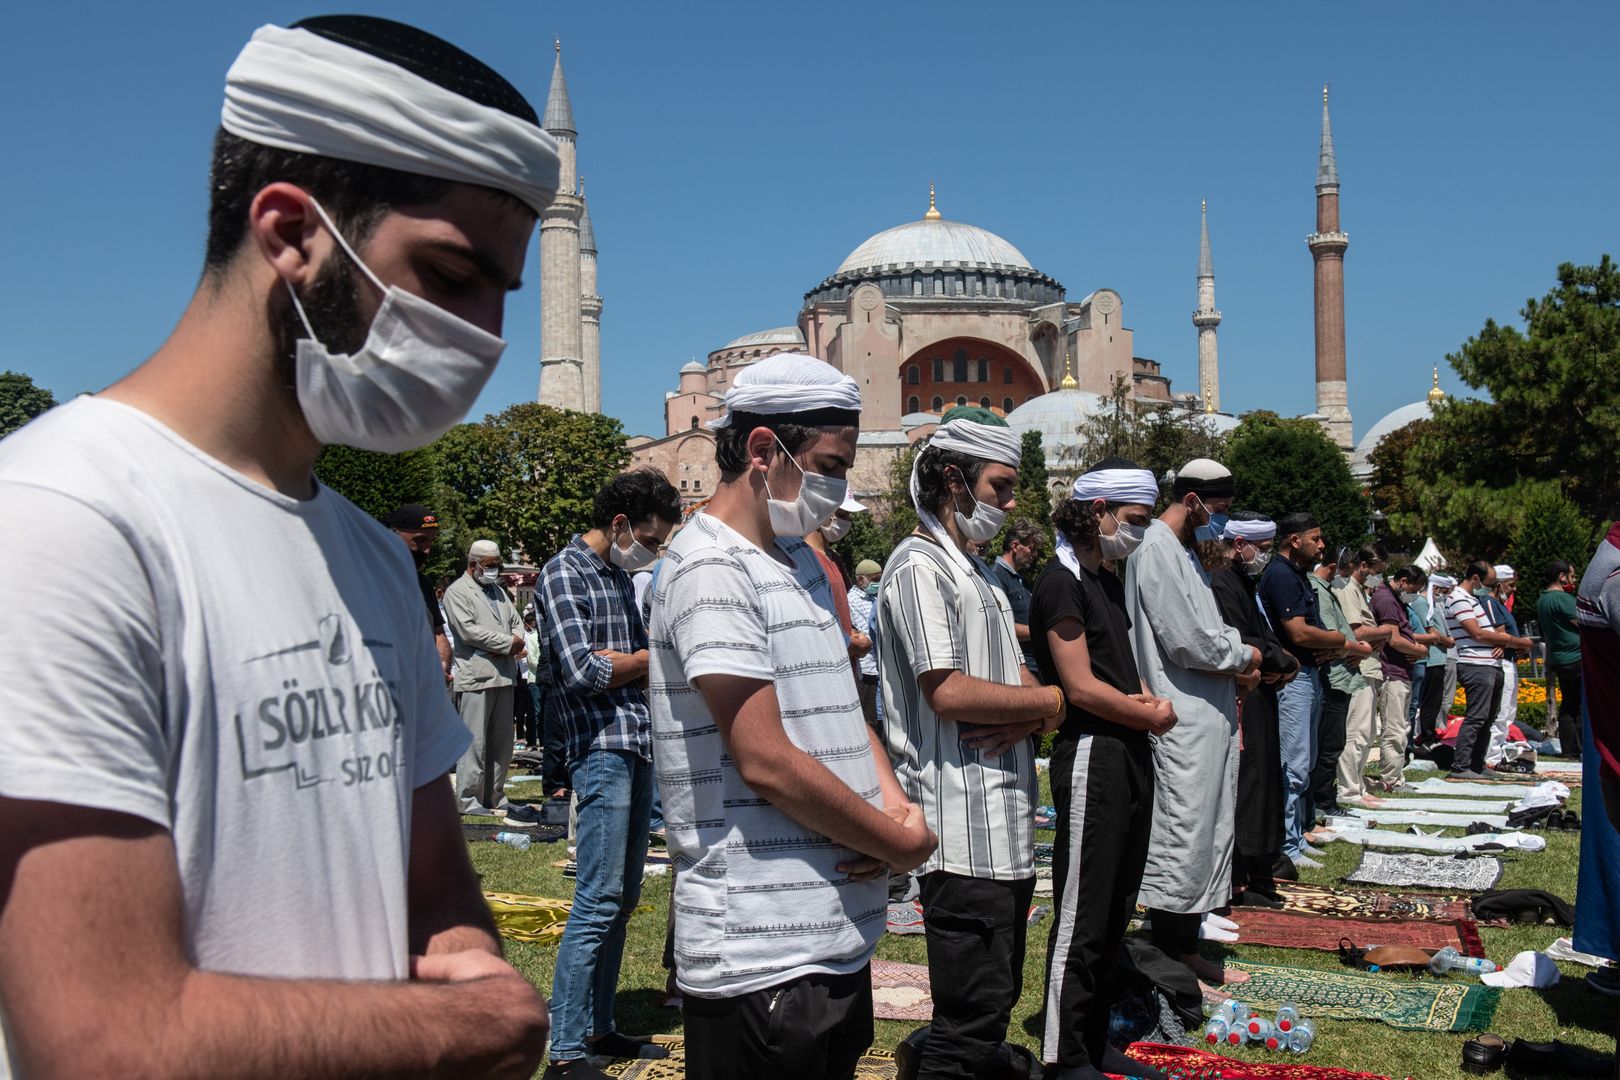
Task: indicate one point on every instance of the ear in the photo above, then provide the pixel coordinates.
(287, 232)
(761, 444)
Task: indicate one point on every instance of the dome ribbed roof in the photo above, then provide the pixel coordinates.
(932, 243)
(1393, 421)
(781, 335)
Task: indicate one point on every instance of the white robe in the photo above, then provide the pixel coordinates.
(1186, 652)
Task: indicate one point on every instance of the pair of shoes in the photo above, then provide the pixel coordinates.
(1564, 821)
(523, 816)
(1484, 1054)
(1558, 1056)
(626, 1048)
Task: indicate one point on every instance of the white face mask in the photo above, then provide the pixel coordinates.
(416, 376)
(1261, 559)
(836, 529)
(983, 526)
(819, 497)
(1125, 539)
(631, 558)
(491, 576)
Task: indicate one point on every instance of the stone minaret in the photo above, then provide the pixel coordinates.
(590, 309)
(562, 379)
(1207, 318)
(1327, 246)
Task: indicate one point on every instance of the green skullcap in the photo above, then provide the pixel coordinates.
(978, 414)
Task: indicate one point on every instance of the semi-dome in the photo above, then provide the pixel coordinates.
(1389, 422)
(780, 335)
(935, 242)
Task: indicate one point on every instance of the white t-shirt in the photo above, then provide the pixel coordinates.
(248, 671)
(758, 898)
(937, 616)
(1462, 606)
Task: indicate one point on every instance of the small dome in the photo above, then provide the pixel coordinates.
(781, 335)
(693, 366)
(1394, 421)
(932, 243)
(1057, 416)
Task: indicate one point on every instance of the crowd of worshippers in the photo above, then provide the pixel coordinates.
(267, 802)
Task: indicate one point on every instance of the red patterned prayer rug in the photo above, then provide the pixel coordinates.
(1186, 1063)
(1316, 900)
(1294, 930)
(900, 991)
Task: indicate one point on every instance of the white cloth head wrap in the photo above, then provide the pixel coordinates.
(1253, 531)
(1504, 572)
(299, 91)
(789, 383)
(986, 442)
(1443, 581)
(1111, 485)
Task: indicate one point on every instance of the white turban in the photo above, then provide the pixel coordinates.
(1252, 531)
(299, 91)
(1110, 485)
(789, 383)
(1505, 572)
(987, 442)
(1442, 581)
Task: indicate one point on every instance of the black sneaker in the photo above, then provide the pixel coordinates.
(522, 814)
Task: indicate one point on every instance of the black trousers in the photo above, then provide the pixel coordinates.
(813, 1028)
(975, 929)
(1102, 787)
(1329, 745)
(524, 723)
(1175, 933)
(1429, 708)
(553, 758)
(1482, 695)
(1568, 678)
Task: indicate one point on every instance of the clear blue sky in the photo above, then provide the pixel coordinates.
(734, 155)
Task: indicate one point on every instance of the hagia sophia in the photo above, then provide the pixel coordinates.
(929, 314)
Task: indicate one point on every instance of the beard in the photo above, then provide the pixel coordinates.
(332, 304)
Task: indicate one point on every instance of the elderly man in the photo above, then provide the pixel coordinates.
(1187, 653)
(783, 812)
(959, 710)
(862, 599)
(489, 640)
(262, 799)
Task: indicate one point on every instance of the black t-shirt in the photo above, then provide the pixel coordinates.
(431, 599)
(1096, 600)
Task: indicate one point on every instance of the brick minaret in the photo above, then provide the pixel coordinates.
(562, 377)
(1207, 318)
(1327, 246)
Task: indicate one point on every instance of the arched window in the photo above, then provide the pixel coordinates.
(939, 403)
(983, 374)
(1006, 404)
(913, 404)
(984, 402)
(694, 422)
(913, 376)
(961, 399)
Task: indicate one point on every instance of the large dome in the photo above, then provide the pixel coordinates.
(935, 243)
(1390, 422)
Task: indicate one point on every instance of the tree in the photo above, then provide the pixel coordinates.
(527, 477)
(1286, 466)
(21, 401)
(1033, 497)
(378, 483)
(1158, 437)
(1391, 489)
(1551, 527)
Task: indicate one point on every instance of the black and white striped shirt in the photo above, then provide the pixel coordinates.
(938, 616)
(758, 896)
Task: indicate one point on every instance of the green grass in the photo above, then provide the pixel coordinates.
(1568, 1011)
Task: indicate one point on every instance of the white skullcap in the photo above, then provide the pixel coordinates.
(483, 549)
(299, 91)
(789, 383)
(850, 506)
(1117, 486)
(1252, 531)
(1504, 572)
(1204, 476)
(987, 442)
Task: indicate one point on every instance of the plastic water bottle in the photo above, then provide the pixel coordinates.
(1216, 1030)
(513, 840)
(1233, 1011)
(1287, 1017)
(1259, 1028)
(1300, 1039)
(1449, 959)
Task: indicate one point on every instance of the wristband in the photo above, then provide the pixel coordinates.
(1061, 703)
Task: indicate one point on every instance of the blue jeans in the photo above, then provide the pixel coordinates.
(1298, 705)
(1420, 672)
(614, 790)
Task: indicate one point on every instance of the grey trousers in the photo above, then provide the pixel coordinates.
(481, 772)
(1482, 691)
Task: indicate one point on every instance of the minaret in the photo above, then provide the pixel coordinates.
(1327, 246)
(1207, 318)
(590, 309)
(562, 381)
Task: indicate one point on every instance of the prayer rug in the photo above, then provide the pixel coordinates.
(900, 991)
(1186, 1063)
(1405, 841)
(1415, 1004)
(905, 917)
(1394, 814)
(875, 1064)
(1445, 806)
(1433, 871)
(1290, 930)
(1484, 789)
(540, 834)
(1316, 900)
(528, 918)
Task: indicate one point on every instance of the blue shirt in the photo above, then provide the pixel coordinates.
(587, 605)
(1286, 594)
(1007, 579)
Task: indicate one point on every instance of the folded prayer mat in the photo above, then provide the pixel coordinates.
(1473, 874)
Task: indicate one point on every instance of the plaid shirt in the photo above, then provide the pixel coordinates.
(587, 605)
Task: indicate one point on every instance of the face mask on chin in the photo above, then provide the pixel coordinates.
(631, 558)
(819, 497)
(836, 529)
(415, 376)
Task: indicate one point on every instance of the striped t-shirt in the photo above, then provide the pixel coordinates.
(937, 616)
(758, 897)
(1459, 606)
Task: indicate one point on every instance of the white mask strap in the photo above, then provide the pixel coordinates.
(344, 244)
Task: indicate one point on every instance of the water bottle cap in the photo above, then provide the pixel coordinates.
(1273, 1042)
(1284, 1024)
(1235, 1038)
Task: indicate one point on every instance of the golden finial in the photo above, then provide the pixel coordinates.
(1435, 393)
(1069, 382)
(933, 211)
(1209, 401)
